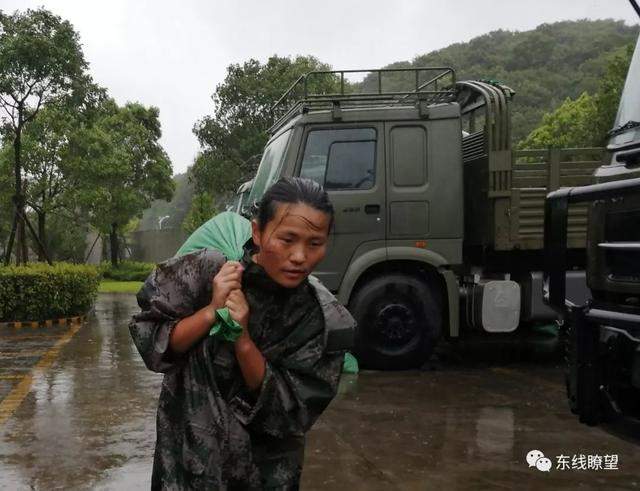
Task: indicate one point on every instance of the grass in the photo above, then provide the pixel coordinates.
(110, 286)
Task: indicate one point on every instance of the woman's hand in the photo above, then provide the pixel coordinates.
(238, 309)
(227, 279)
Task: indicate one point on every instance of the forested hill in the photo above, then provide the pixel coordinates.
(544, 66)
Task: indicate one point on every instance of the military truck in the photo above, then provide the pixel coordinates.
(603, 335)
(439, 222)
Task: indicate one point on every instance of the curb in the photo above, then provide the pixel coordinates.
(47, 323)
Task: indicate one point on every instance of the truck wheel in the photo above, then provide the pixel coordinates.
(399, 321)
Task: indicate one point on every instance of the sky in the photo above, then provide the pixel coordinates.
(173, 54)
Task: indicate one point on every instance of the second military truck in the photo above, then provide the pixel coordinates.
(439, 222)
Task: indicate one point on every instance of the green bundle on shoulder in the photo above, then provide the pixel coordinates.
(226, 232)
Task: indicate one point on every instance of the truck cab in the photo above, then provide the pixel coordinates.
(391, 163)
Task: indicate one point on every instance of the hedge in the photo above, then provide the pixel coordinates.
(38, 292)
(127, 271)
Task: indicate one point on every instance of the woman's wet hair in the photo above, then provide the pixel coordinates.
(292, 190)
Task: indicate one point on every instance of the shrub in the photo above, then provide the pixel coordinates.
(127, 271)
(37, 291)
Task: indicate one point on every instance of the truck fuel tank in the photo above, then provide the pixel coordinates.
(495, 305)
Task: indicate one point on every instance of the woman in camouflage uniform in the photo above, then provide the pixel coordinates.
(233, 415)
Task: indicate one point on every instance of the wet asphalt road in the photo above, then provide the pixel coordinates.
(77, 411)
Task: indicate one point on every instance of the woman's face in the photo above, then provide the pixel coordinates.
(292, 243)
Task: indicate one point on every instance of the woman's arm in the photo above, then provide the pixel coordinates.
(252, 363)
(191, 329)
(174, 291)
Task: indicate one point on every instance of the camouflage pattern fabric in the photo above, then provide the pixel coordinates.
(212, 431)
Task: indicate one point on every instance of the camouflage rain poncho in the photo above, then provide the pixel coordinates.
(212, 432)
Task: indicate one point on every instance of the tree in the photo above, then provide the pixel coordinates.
(201, 210)
(47, 186)
(544, 65)
(46, 181)
(585, 121)
(122, 166)
(41, 61)
(237, 132)
(570, 125)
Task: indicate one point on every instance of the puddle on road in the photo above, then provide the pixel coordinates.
(92, 411)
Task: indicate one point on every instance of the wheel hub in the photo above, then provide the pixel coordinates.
(396, 324)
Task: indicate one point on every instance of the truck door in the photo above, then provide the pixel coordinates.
(348, 160)
(424, 185)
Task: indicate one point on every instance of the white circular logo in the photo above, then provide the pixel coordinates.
(543, 464)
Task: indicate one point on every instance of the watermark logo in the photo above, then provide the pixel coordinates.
(536, 458)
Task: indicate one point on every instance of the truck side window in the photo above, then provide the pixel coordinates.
(340, 159)
(409, 156)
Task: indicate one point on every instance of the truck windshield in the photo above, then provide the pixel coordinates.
(629, 111)
(270, 166)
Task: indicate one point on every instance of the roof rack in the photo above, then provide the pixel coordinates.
(406, 86)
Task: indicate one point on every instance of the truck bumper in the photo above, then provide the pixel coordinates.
(620, 337)
(604, 371)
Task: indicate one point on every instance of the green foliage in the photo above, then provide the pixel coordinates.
(46, 150)
(544, 66)
(584, 122)
(129, 168)
(202, 209)
(66, 236)
(40, 60)
(44, 144)
(48, 184)
(127, 270)
(41, 64)
(568, 126)
(237, 132)
(37, 291)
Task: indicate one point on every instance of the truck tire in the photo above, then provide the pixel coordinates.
(399, 321)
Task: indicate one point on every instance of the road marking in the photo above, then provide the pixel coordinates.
(21, 337)
(13, 400)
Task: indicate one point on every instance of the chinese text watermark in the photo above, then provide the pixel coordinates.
(595, 462)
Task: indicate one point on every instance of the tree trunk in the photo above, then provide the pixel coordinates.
(21, 252)
(41, 236)
(22, 255)
(113, 238)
